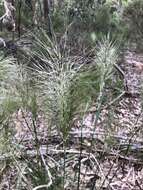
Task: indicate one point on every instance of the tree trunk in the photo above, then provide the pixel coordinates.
(47, 19)
(46, 9)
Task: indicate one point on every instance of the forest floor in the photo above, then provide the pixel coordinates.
(111, 155)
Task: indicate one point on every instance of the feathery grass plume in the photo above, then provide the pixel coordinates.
(106, 58)
(64, 88)
(16, 92)
(65, 85)
(9, 101)
(56, 76)
(8, 77)
(15, 86)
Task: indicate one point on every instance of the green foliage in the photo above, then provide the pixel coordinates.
(9, 101)
(90, 18)
(1, 9)
(24, 14)
(8, 76)
(37, 173)
(38, 176)
(15, 91)
(133, 15)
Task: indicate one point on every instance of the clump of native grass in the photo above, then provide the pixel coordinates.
(16, 93)
(60, 82)
(8, 75)
(67, 87)
(62, 86)
(8, 97)
(15, 87)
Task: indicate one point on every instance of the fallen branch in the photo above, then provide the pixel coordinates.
(44, 151)
(99, 135)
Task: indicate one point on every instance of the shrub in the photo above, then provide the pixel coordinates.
(133, 15)
(88, 18)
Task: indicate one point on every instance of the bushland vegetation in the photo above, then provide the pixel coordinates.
(71, 94)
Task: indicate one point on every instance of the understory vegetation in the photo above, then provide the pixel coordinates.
(71, 94)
